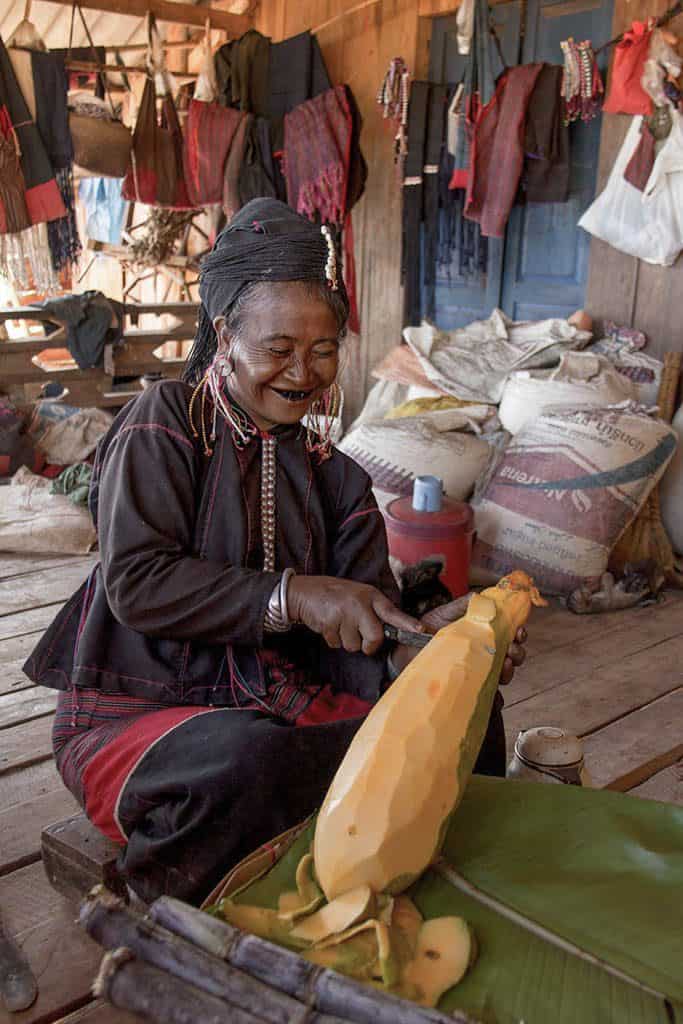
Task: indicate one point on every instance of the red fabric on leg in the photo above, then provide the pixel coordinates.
(328, 706)
(109, 770)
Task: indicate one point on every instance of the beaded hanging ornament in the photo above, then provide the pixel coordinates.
(582, 85)
(392, 96)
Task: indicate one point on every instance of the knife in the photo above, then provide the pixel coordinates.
(18, 989)
(406, 636)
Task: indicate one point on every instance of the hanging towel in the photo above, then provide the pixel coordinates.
(43, 201)
(626, 94)
(317, 156)
(209, 133)
(50, 84)
(498, 151)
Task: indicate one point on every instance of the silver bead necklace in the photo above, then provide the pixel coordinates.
(268, 510)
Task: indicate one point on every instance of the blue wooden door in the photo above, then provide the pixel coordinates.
(545, 267)
(540, 268)
(461, 300)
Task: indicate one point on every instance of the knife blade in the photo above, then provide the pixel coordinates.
(406, 636)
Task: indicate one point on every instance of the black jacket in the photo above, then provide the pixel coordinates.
(180, 578)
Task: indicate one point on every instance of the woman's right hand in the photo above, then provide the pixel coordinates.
(345, 613)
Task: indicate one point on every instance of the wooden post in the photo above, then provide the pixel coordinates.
(166, 10)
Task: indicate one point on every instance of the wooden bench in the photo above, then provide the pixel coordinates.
(22, 378)
(77, 857)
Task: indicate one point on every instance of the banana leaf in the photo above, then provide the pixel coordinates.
(551, 878)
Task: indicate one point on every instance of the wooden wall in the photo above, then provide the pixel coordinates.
(357, 49)
(621, 287)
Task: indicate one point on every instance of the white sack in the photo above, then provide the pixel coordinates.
(563, 492)
(73, 439)
(33, 521)
(644, 372)
(581, 379)
(671, 490)
(473, 362)
(646, 224)
(394, 452)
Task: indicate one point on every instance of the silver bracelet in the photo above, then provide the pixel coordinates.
(277, 618)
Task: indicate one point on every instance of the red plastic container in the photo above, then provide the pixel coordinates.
(446, 534)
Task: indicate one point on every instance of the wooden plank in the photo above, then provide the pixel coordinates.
(36, 620)
(628, 752)
(99, 1012)
(44, 587)
(63, 958)
(666, 786)
(13, 653)
(29, 784)
(25, 744)
(623, 634)
(21, 826)
(597, 697)
(167, 10)
(18, 565)
(26, 706)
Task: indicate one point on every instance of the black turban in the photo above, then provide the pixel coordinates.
(265, 241)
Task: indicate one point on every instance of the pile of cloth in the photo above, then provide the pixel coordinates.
(46, 454)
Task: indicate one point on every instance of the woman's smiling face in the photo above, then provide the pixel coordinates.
(285, 354)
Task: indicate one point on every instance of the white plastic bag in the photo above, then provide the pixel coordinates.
(646, 224)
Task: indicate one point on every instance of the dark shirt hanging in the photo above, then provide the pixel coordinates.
(436, 116)
(412, 203)
(546, 146)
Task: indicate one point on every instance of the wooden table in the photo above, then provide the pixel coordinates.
(614, 679)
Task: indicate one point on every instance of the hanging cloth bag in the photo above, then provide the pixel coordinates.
(155, 173)
(209, 133)
(626, 94)
(101, 143)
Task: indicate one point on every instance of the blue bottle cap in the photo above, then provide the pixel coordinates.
(427, 492)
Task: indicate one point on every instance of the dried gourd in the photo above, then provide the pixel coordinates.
(385, 815)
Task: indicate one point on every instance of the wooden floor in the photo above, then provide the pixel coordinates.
(616, 680)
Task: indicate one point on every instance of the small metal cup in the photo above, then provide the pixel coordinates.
(548, 754)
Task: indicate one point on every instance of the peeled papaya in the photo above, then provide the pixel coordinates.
(386, 812)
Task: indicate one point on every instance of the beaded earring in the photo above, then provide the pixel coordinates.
(211, 387)
(320, 421)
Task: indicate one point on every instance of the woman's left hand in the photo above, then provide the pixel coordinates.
(437, 618)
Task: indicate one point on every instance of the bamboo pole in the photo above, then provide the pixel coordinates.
(111, 924)
(326, 990)
(169, 44)
(167, 10)
(139, 988)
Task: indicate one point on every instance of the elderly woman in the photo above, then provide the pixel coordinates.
(214, 667)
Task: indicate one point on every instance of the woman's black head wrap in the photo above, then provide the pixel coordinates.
(265, 241)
